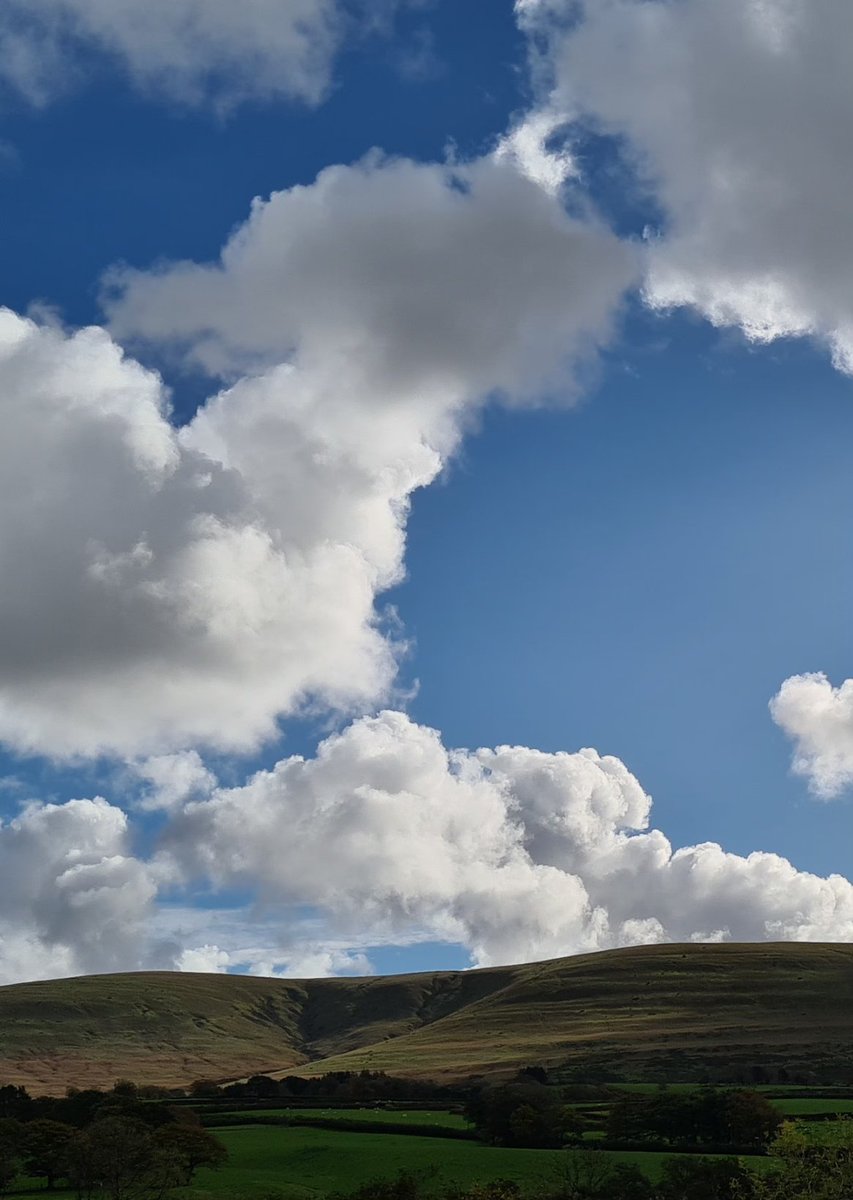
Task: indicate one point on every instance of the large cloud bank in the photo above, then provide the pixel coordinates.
(387, 836)
(143, 593)
(170, 587)
(515, 853)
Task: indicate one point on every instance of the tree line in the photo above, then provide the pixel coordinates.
(343, 1087)
(526, 1112)
(107, 1144)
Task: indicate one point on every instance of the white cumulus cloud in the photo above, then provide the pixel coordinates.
(736, 115)
(73, 899)
(515, 853)
(818, 718)
(145, 603)
(207, 959)
(172, 779)
(386, 837)
(167, 589)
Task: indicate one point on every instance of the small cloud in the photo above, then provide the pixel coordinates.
(173, 779)
(818, 719)
(207, 960)
(530, 146)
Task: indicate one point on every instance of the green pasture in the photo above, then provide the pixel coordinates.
(268, 1161)
(826, 1132)
(298, 1162)
(771, 1090)
(805, 1106)
(309, 1162)
(379, 1116)
(652, 1088)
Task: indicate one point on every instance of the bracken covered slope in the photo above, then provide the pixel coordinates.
(676, 1012)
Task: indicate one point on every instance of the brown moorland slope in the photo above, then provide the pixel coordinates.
(654, 1012)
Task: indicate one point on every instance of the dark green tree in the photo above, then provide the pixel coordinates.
(45, 1150)
(119, 1158)
(405, 1185)
(750, 1118)
(189, 1147)
(262, 1087)
(206, 1089)
(689, 1177)
(15, 1102)
(11, 1138)
(589, 1175)
(8, 1172)
(524, 1113)
(707, 1116)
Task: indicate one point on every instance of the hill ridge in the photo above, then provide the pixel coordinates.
(675, 1011)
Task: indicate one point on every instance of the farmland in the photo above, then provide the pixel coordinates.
(298, 1163)
(279, 1151)
(285, 1073)
(322, 1161)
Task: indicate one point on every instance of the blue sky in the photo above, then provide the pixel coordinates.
(629, 493)
(647, 571)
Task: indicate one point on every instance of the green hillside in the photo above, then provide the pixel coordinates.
(655, 1012)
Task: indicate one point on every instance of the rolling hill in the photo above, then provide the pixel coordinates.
(676, 1012)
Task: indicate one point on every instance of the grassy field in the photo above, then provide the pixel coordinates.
(638, 1013)
(298, 1162)
(648, 1089)
(378, 1116)
(823, 1131)
(301, 1162)
(265, 1161)
(804, 1106)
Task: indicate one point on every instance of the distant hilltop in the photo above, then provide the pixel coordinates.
(767, 1012)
